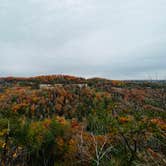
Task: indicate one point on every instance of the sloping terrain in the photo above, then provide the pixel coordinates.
(65, 120)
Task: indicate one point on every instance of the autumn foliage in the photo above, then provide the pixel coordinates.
(77, 121)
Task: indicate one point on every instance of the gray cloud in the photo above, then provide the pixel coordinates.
(115, 39)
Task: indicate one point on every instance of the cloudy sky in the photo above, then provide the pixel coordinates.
(117, 39)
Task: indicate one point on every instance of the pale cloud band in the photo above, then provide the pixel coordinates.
(110, 38)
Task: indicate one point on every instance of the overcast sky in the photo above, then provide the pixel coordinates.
(117, 39)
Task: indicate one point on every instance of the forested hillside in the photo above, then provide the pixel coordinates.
(62, 120)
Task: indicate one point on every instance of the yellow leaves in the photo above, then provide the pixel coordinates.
(72, 145)
(34, 125)
(46, 123)
(19, 148)
(17, 152)
(37, 131)
(3, 132)
(61, 120)
(60, 142)
(34, 99)
(72, 142)
(2, 144)
(15, 108)
(15, 155)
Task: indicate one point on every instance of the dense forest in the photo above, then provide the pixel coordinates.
(62, 120)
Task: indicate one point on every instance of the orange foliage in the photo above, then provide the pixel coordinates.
(61, 120)
(72, 146)
(160, 123)
(125, 119)
(60, 142)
